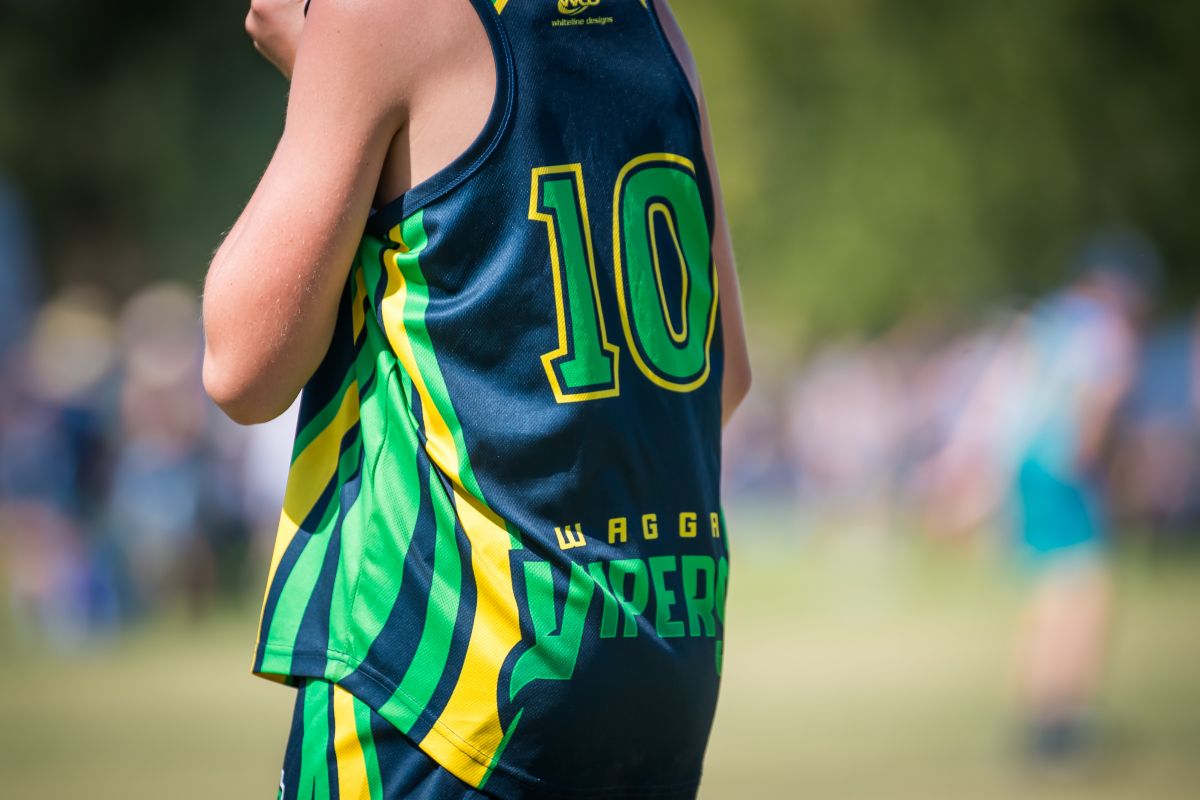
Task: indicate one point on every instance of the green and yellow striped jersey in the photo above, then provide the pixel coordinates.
(502, 528)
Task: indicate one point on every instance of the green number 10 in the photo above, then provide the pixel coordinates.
(654, 194)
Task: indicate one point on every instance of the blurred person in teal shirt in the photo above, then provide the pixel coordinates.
(1032, 442)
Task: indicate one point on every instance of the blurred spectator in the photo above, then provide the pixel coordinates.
(155, 501)
(1158, 462)
(846, 415)
(755, 460)
(1034, 438)
(114, 499)
(53, 429)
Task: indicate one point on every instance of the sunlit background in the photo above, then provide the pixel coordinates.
(906, 183)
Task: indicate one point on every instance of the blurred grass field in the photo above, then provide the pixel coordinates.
(853, 670)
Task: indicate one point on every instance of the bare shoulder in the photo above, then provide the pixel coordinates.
(407, 30)
(397, 43)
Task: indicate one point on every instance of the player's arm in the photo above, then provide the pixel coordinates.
(272, 291)
(965, 482)
(736, 382)
(1104, 395)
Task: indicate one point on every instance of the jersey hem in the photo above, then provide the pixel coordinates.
(501, 774)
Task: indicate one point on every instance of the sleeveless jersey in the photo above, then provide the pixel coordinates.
(502, 528)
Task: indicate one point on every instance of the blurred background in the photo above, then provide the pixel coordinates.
(968, 246)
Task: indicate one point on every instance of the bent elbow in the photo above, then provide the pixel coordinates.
(239, 396)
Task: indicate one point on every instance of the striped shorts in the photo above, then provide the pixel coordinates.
(340, 748)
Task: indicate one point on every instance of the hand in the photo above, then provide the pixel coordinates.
(274, 26)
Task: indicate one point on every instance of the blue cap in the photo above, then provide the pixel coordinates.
(1123, 256)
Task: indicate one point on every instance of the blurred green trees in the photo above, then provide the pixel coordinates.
(881, 156)
(878, 157)
(137, 129)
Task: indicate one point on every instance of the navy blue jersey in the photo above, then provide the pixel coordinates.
(502, 529)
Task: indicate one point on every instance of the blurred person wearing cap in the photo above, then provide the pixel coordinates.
(1032, 441)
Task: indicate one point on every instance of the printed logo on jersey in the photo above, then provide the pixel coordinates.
(571, 13)
(572, 7)
(673, 596)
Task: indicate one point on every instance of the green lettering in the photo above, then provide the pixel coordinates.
(553, 655)
(699, 594)
(722, 583)
(634, 601)
(664, 598)
(608, 620)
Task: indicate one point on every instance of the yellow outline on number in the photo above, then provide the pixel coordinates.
(661, 208)
(576, 173)
(626, 324)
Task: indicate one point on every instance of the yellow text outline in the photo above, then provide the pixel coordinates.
(626, 323)
(575, 171)
(679, 337)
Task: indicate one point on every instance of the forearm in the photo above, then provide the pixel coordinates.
(264, 338)
(273, 288)
(272, 292)
(267, 323)
(1102, 401)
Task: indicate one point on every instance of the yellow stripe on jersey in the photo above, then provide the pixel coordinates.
(312, 469)
(467, 735)
(310, 473)
(351, 764)
(496, 631)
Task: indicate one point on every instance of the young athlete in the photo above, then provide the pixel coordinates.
(489, 248)
(1032, 441)
(1079, 359)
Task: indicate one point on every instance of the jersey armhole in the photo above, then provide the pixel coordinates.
(680, 72)
(471, 159)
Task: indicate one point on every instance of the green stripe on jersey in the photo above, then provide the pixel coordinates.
(302, 579)
(314, 751)
(376, 537)
(416, 302)
(324, 418)
(421, 680)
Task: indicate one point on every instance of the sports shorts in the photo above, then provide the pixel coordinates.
(1061, 517)
(340, 748)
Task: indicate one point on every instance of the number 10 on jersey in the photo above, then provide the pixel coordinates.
(657, 209)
